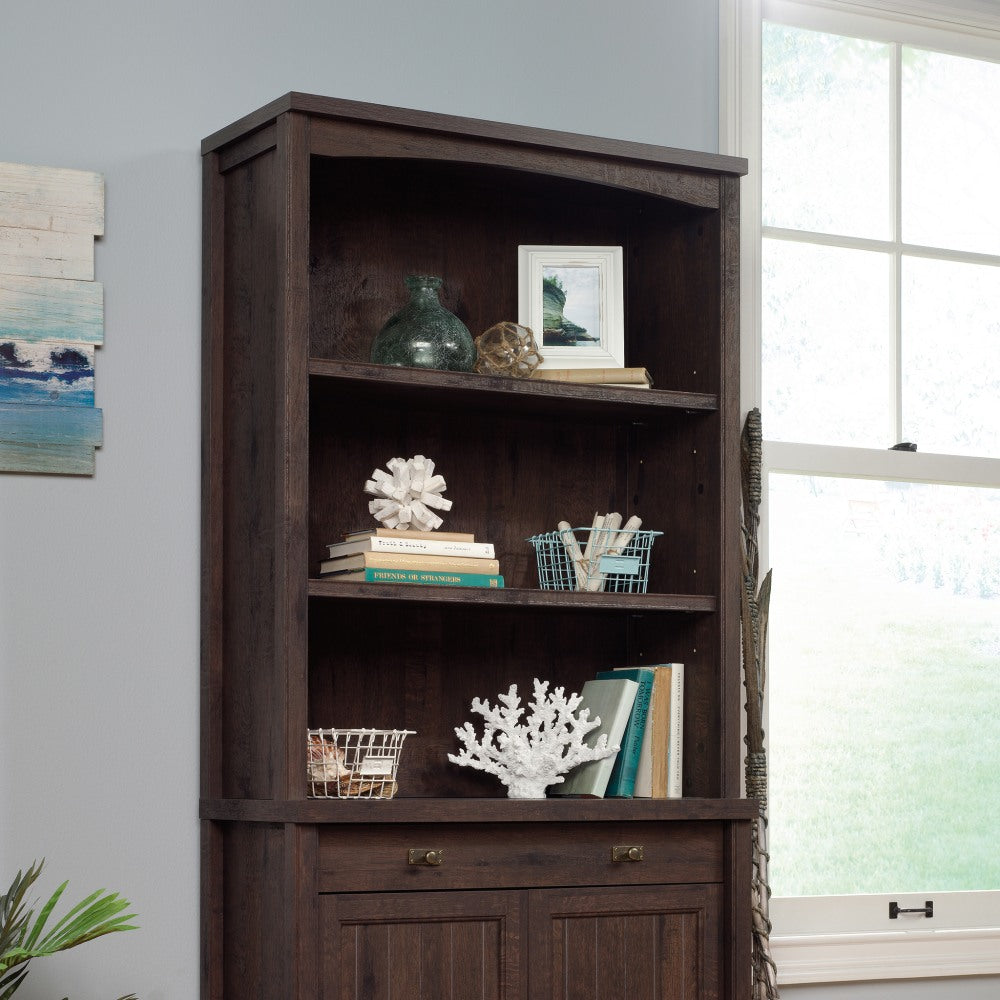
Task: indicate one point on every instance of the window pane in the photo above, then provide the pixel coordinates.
(951, 340)
(884, 688)
(826, 331)
(825, 137)
(951, 147)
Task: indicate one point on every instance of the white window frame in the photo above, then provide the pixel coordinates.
(850, 938)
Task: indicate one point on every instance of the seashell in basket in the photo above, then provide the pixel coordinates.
(326, 761)
(381, 788)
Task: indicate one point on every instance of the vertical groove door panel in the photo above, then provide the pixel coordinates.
(648, 943)
(421, 946)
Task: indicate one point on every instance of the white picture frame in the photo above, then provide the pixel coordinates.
(590, 279)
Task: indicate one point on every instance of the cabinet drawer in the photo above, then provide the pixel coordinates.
(486, 856)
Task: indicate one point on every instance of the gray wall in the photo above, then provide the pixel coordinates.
(99, 577)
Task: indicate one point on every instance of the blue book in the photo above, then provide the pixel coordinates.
(436, 578)
(621, 784)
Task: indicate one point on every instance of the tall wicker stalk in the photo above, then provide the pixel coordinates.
(755, 598)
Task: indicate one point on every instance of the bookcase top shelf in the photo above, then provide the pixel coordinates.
(458, 388)
(562, 600)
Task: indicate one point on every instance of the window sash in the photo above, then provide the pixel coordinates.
(843, 938)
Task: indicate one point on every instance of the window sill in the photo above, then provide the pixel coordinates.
(832, 958)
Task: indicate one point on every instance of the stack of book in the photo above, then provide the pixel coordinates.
(642, 711)
(631, 378)
(388, 555)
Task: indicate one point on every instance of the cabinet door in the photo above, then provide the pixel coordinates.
(642, 943)
(422, 946)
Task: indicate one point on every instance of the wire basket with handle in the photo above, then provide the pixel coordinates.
(354, 763)
(596, 559)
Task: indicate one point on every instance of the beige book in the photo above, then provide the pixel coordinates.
(410, 560)
(594, 376)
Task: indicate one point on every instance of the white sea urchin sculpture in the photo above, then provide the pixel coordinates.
(528, 757)
(405, 494)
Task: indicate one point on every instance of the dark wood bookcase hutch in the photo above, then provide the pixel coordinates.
(314, 211)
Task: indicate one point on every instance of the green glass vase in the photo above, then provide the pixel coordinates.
(423, 334)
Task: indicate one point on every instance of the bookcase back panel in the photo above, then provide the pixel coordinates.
(673, 281)
(372, 225)
(675, 488)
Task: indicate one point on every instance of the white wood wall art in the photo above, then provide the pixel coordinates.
(51, 318)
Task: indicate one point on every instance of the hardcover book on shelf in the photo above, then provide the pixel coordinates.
(436, 578)
(405, 541)
(621, 784)
(635, 378)
(675, 761)
(660, 770)
(409, 560)
(610, 700)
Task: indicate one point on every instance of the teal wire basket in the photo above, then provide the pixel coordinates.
(594, 559)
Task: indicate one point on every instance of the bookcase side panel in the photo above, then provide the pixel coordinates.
(269, 918)
(292, 473)
(249, 518)
(213, 690)
(731, 560)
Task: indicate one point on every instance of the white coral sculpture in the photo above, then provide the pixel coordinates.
(405, 494)
(528, 757)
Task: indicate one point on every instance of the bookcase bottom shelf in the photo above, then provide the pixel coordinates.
(471, 810)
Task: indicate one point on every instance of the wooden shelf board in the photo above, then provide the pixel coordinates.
(501, 810)
(512, 597)
(419, 385)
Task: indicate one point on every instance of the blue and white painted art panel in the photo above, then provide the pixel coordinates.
(51, 309)
(47, 373)
(51, 318)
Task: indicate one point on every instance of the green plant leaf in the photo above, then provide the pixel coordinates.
(10, 982)
(13, 917)
(23, 936)
(43, 916)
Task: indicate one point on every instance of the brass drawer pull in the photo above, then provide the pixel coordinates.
(421, 856)
(626, 854)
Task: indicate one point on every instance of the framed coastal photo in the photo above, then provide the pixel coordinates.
(572, 298)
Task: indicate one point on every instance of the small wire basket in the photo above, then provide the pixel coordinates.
(595, 559)
(353, 763)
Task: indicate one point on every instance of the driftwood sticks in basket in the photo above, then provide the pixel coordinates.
(607, 537)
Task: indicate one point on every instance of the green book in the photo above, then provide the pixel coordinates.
(621, 785)
(436, 578)
(611, 701)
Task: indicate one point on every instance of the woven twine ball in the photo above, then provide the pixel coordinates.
(507, 349)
